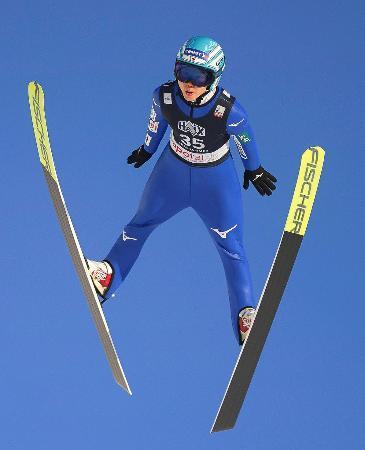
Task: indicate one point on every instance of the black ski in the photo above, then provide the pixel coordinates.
(295, 227)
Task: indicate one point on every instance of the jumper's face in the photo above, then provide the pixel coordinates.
(191, 92)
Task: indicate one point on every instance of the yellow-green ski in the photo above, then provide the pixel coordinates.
(36, 101)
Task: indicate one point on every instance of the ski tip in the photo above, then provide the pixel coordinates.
(318, 148)
(33, 85)
(35, 89)
(305, 190)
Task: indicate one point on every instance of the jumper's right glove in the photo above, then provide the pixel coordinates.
(139, 157)
(261, 179)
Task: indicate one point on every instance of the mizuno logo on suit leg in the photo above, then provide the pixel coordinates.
(125, 237)
(223, 234)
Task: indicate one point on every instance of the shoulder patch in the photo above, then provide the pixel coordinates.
(167, 98)
(219, 111)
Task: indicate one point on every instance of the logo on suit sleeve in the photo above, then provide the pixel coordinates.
(235, 124)
(153, 114)
(244, 137)
(148, 139)
(153, 126)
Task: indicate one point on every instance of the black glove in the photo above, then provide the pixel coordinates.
(261, 179)
(139, 156)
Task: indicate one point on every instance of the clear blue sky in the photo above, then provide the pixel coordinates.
(298, 68)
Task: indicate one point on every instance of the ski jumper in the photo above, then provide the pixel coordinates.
(196, 170)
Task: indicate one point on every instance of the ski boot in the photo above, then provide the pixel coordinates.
(245, 319)
(101, 273)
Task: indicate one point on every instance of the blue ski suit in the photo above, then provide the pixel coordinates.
(195, 170)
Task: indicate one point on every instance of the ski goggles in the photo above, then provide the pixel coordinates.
(197, 76)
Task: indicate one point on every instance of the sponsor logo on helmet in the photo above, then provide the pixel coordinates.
(189, 127)
(197, 53)
(219, 111)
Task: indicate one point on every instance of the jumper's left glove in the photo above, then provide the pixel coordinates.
(261, 179)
